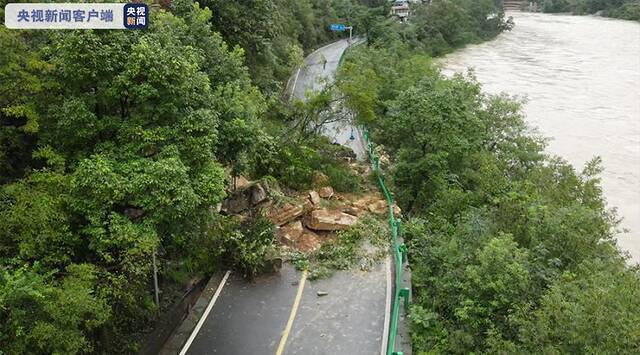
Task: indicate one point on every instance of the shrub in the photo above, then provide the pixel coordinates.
(361, 245)
(343, 179)
(248, 248)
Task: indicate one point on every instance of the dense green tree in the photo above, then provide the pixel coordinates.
(133, 130)
(22, 76)
(506, 243)
(34, 223)
(593, 310)
(275, 33)
(623, 9)
(41, 316)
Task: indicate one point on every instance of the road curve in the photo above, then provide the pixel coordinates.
(253, 317)
(312, 76)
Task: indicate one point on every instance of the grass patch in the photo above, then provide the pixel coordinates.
(362, 246)
(343, 179)
(293, 164)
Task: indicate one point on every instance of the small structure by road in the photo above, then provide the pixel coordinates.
(401, 10)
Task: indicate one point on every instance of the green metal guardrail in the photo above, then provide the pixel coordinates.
(399, 250)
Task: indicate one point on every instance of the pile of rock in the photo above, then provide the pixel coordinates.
(306, 225)
(306, 221)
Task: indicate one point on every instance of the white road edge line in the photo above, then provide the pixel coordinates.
(193, 335)
(325, 46)
(387, 309)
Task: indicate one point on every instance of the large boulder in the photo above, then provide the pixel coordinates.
(286, 214)
(325, 220)
(326, 192)
(243, 199)
(308, 241)
(235, 203)
(258, 194)
(378, 207)
(290, 233)
(314, 197)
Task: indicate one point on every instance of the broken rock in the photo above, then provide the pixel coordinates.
(363, 202)
(396, 211)
(286, 214)
(378, 207)
(324, 220)
(314, 197)
(242, 199)
(354, 211)
(290, 233)
(326, 192)
(258, 194)
(241, 182)
(308, 242)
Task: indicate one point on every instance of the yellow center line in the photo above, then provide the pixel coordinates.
(292, 316)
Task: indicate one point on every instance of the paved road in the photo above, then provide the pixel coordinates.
(253, 318)
(312, 77)
(249, 318)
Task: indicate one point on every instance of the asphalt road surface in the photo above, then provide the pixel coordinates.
(312, 77)
(284, 313)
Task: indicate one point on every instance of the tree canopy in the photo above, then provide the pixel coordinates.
(122, 137)
(511, 249)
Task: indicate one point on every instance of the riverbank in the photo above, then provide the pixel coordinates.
(512, 250)
(623, 10)
(578, 94)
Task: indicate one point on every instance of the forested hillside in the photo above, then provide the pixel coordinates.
(275, 34)
(511, 249)
(622, 9)
(116, 148)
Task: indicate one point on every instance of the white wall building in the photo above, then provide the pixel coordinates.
(402, 8)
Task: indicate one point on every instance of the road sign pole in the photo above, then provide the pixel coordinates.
(338, 27)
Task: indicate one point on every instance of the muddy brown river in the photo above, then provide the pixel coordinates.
(581, 77)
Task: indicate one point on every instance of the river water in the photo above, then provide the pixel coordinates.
(581, 77)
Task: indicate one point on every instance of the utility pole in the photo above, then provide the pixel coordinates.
(155, 279)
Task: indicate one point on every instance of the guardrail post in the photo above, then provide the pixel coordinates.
(404, 293)
(399, 251)
(403, 250)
